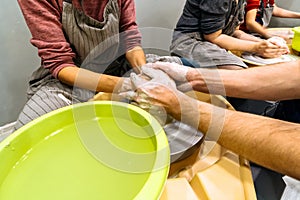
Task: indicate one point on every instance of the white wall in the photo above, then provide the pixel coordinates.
(293, 5)
(18, 59)
(157, 19)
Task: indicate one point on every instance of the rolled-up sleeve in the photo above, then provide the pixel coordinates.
(213, 15)
(130, 35)
(43, 19)
(252, 4)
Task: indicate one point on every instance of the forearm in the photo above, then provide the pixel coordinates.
(257, 28)
(265, 141)
(275, 82)
(253, 26)
(83, 78)
(244, 36)
(231, 43)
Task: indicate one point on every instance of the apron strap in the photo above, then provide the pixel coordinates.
(262, 8)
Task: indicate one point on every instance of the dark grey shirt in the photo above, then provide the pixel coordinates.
(209, 16)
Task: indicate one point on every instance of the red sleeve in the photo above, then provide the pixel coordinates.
(252, 4)
(43, 18)
(128, 27)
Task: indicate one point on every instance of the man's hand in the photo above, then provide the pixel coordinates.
(174, 70)
(161, 92)
(177, 72)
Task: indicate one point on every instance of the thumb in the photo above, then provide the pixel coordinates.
(185, 87)
(150, 72)
(136, 80)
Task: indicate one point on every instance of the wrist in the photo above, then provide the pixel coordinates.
(254, 48)
(192, 74)
(188, 111)
(195, 79)
(267, 35)
(120, 84)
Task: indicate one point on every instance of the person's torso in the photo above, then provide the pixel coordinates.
(199, 15)
(92, 8)
(96, 42)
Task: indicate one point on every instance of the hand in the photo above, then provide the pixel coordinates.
(180, 106)
(267, 49)
(148, 75)
(124, 85)
(160, 92)
(154, 94)
(157, 76)
(286, 35)
(177, 72)
(280, 42)
(152, 58)
(174, 70)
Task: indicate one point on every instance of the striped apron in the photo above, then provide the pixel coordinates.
(97, 49)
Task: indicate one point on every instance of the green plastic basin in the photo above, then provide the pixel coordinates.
(296, 39)
(94, 150)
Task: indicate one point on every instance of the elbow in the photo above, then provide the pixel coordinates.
(250, 26)
(211, 38)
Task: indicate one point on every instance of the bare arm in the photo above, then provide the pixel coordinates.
(245, 36)
(280, 12)
(230, 43)
(254, 26)
(268, 142)
(263, 48)
(276, 82)
(265, 141)
(86, 79)
(273, 82)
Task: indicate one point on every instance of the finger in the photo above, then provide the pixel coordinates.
(142, 99)
(271, 45)
(184, 87)
(278, 41)
(173, 70)
(128, 95)
(161, 65)
(159, 77)
(136, 80)
(148, 65)
(276, 52)
(150, 72)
